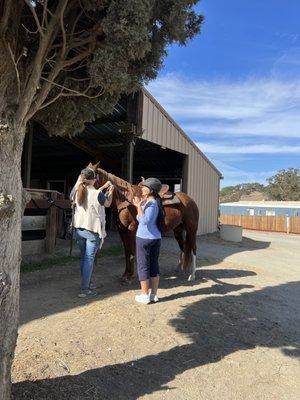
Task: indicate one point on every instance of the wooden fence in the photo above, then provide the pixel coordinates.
(264, 223)
(43, 221)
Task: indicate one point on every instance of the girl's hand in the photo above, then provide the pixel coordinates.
(106, 185)
(111, 189)
(137, 201)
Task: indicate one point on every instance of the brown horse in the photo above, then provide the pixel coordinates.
(182, 218)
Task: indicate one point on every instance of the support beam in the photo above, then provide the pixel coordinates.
(94, 153)
(129, 159)
(185, 174)
(82, 146)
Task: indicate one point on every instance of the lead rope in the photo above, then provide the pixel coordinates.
(72, 222)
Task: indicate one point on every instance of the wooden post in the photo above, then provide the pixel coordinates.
(288, 224)
(129, 159)
(51, 226)
(27, 157)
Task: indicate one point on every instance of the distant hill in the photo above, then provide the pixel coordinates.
(283, 186)
(246, 192)
(255, 196)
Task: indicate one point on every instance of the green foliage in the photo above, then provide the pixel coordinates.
(129, 52)
(285, 185)
(234, 193)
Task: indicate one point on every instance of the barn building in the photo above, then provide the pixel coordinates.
(138, 139)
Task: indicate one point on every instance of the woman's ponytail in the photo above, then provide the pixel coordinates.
(81, 193)
(161, 213)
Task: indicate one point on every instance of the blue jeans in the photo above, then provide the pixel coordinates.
(89, 244)
(147, 253)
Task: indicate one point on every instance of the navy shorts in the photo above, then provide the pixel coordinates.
(147, 253)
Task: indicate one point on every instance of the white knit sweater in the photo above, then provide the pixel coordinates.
(91, 215)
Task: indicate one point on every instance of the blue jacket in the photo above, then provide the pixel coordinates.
(147, 228)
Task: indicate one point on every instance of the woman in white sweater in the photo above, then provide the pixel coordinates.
(89, 223)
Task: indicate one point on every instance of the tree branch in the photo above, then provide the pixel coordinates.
(6, 15)
(47, 103)
(31, 86)
(63, 30)
(16, 69)
(37, 21)
(73, 92)
(77, 58)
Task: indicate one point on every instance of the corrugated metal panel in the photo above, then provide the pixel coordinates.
(203, 177)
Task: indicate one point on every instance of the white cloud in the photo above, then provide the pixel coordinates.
(269, 107)
(234, 176)
(236, 121)
(248, 149)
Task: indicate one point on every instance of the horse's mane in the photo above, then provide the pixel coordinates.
(127, 189)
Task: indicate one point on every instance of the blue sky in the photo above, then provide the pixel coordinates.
(235, 89)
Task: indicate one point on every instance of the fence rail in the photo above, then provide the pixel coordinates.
(264, 223)
(43, 221)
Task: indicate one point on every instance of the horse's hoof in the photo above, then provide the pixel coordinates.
(125, 280)
(191, 278)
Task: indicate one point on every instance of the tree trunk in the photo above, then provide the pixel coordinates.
(11, 210)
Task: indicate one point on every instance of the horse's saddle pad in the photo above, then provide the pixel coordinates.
(170, 200)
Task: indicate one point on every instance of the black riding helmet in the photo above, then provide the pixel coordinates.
(88, 173)
(152, 183)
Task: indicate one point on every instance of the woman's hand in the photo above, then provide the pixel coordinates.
(106, 185)
(137, 201)
(111, 189)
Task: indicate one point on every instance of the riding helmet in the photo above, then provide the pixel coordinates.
(152, 183)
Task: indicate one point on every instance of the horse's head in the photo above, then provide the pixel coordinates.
(101, 178)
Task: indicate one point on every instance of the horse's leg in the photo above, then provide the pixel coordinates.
(191, 247)
(178, 233)
(127, 273)
(128, 239)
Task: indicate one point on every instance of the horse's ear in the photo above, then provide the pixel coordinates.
(94, 166)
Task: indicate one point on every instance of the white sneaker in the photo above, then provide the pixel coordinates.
(142, 298)
(154, 298)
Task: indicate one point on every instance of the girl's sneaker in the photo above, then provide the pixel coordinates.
(93, 286)
(142, 298)
(87, 293)
(154, 298)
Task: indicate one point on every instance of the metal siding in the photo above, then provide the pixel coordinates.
(169, 134)
(202, 180)
(150, 121)
(206, 198)
(169, 143)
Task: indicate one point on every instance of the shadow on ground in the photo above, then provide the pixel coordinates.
(55, 290)
(216, 326)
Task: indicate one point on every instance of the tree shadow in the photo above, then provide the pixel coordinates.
(55, 290)
(216, 327)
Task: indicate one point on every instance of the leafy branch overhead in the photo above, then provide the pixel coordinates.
(68, 61)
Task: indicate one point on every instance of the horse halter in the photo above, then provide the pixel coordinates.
(106, 176)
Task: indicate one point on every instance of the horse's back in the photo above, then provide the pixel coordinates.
(190, 209)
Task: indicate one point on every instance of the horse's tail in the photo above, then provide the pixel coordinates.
(190, 246)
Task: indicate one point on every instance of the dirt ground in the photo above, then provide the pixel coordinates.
(232, 334)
